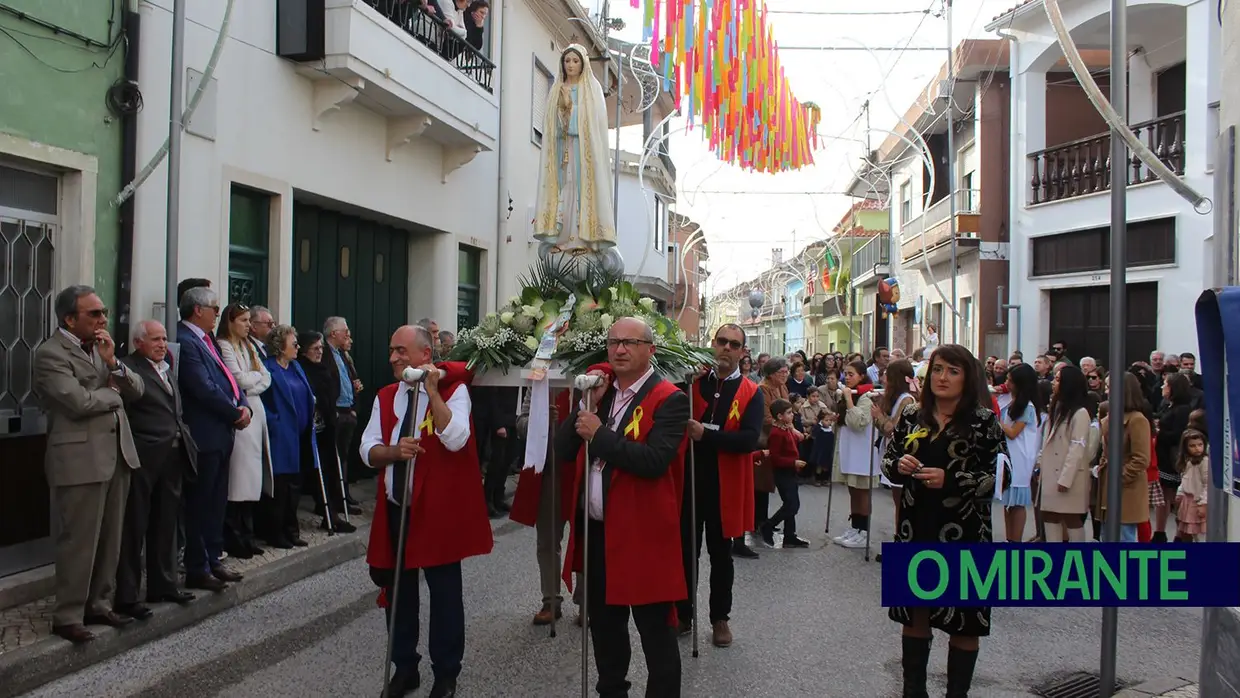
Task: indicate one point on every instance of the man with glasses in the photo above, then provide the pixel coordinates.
(214, 407)
(339, 340)
(636, 429)
(261, 322)
(726, 423)
(90, 451)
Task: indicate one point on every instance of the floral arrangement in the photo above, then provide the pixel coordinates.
(510, 337)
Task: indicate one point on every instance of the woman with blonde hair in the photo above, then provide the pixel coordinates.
(249, 467)
(1134, 505)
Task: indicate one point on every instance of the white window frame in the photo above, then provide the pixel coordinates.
(660, 224)
(906, 202)
(541, 80)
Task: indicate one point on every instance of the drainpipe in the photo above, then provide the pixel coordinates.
(1016, 186)
(501, 193)
(131, 29)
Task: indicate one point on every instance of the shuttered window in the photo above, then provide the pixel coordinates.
(540, 89)
(1150, 243)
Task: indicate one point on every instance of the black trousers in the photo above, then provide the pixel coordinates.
(239, 525)
(710, 521)
(286, 491)
(332, 482)
(609, 632)
(498, 459)
(761, 508)
(790, 494)
(446, 643)
(346, 425)
(206, 500)
(152, 515)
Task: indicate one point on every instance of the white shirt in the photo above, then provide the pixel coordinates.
(161, 370)
(619, 404)
(453, 437)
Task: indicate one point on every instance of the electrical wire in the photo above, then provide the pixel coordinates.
(93, 65)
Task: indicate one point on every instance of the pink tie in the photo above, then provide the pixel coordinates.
(211, 348)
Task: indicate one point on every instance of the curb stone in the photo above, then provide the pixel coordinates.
(1178, 686)
(27, 668)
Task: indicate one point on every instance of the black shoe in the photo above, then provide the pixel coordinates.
(493, 513)
(768, 536)
(134, 610)
(280, 543)
(503, 506)
(256, 550)
(351, 501)
(299, 543)
(795, 542)
(443, 688)
(205, 582)
(180, 598)
(224, 574)
(1159, 537)
(404, 682)
(739, 549)
(960, 666)
(110, 618)
(339, 525)
(354, 509)
(915, 659)
(240, 552)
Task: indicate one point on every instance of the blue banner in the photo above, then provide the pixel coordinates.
(1066, 575)
(1218, 338)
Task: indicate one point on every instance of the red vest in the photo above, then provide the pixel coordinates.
(735, 469)
(447, 514)
(644, 564)
(528, 499)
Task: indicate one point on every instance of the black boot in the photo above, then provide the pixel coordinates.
(916, 658)
(960, 665)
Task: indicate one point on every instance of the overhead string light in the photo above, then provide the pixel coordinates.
(720, 56)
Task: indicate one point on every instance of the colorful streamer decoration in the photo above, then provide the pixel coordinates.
(721, 57)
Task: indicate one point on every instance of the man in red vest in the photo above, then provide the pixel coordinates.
(726, 423)
(447, 512)
(636, 432)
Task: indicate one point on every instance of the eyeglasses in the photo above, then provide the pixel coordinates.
(722, 342)
(97, 313)
(1093, 378)
(627, 343)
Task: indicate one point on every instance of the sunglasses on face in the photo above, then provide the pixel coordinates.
(723, 342)
(97, 313)
(626, 343)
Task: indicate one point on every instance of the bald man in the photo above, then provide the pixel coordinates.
(447, 520)
(637, 430)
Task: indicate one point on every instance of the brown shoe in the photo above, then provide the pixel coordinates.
(721, 636)
(75, 633)
(109, 618)
(543, 617)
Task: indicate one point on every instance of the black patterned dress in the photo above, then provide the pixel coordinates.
(968, 451)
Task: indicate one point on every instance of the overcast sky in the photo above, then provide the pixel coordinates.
(745, 215)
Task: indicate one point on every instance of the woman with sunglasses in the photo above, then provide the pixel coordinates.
(290, 420)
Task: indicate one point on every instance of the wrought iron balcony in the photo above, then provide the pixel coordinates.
(1083, 166)
(409, 16)
(870, 257)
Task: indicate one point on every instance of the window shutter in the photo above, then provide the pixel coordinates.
(540, 90)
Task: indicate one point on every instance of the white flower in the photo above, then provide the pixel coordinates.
(514, 301)
(532, 311)
(647, 303)
(490, 316)
(531, 343)
(506, 318)
(605, 321)
(615, 292)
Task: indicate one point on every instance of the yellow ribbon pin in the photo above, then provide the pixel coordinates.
(735, 412)
(427, 425)
(912, 438)
(634, 426)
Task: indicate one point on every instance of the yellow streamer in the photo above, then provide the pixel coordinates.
(735, 412)
(634, 426)
(914, 437)
(427, 425)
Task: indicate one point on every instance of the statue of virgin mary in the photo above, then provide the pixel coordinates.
(574, 207)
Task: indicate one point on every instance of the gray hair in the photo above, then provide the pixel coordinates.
(198, 297)
(255, 310)
(773, 366)
(444, 334)
(142, 330)
(334, 323)
(67, 301)
(425, 323)
(278, 338)
(1090, 359)
(422, 336)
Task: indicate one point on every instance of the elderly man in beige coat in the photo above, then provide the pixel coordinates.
(82, 387)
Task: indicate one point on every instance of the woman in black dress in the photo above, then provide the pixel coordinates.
(944, 454)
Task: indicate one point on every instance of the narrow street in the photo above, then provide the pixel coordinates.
(807, 623)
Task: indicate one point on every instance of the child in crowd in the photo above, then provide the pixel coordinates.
(810, 412)
(784, 458)
(1190, 500)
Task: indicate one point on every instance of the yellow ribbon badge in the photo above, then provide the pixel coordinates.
(635, 428)
(914, 437)
(735, 412)
(427, 425)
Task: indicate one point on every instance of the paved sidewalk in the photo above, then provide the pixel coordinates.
(1171, 687)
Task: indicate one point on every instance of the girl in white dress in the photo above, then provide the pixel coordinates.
(856, 458)
(1021, 421)
(249, 467)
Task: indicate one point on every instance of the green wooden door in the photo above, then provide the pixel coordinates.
(469, 287)
(249, 221)
(357, 269)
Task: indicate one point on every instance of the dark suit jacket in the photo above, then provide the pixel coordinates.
(650, 459)
(156, 418)
(209, 407)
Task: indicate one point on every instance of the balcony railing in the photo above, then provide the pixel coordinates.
(968, 201)
(1084, 166)
(408, 15)
(870, 255)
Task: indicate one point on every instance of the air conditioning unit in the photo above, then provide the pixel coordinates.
(301, 33)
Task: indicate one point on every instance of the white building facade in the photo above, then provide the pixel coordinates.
(1060, 185)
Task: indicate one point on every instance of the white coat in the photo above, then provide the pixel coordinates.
(249, 469)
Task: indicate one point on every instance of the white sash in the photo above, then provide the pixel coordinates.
(537, 433)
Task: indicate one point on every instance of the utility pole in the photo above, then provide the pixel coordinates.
(1119, 315)
(175, 112)
(951, 165)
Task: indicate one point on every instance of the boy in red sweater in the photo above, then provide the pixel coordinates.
(782, 453)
